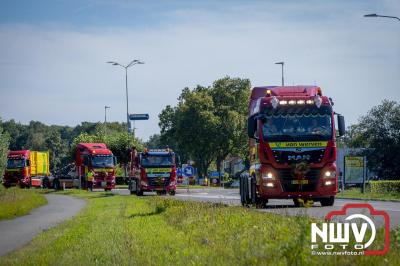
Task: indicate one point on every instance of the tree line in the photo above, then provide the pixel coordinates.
(60, 141)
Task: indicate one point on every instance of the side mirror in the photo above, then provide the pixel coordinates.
(115, 160)
(341, 125)
(136, 162)
(177, 160)
(251, 126)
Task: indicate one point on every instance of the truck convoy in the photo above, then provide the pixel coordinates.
(27, 168)
(292, 146)
(153, 170)
(95, 157)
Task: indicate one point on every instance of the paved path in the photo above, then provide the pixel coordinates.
(19, 231)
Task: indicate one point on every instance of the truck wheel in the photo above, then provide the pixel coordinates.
(6, 185)
(45, 183)
(327, 201)
(244, 190)
(297, 202)
(261, 203)
(172, 192)
(107, 189)
(56, 184)
(139, 192)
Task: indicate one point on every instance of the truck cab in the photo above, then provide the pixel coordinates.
(153, 170)
(95, 157)
(28, 168)
(292, 146)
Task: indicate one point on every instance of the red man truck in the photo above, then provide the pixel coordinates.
(27, 168)
(292, 146)
(95, 157)
(153, 170)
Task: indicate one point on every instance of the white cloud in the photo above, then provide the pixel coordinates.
(57, 74)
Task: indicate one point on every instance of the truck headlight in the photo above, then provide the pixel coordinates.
(329, 174)
(268, 175)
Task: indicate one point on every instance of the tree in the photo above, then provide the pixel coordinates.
(379, 131)
(230, 97)
(208, 124)
(4, 142)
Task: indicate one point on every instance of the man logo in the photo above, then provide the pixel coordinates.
(299, 157)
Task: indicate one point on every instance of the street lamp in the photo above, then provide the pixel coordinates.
(281, 63)
(134, 62)
(105, 113)
(380, 16)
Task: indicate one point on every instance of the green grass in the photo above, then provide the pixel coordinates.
(16, 202)
(356, 193)
(127, 230)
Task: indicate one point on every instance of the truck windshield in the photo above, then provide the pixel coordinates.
(157, 160)
(294, 127)
(99, 161)
(15, 163)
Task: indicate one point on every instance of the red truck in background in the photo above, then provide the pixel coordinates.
(292, 146)
(27, 168)
(98, 158)
(153, 170)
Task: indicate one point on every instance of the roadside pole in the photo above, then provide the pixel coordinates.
(364, 172)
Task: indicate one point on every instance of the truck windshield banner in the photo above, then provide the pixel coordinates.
(301, 144)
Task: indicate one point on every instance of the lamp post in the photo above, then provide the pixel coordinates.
(134, 62)
(105, 113)
(281, 63)
(380, 16)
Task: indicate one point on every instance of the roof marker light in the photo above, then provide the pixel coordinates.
(319, 91)
(274, 102)
(310, 102)
(318, 101)
(284, 102)
(268, 92)
(300, 102)
(292, 102)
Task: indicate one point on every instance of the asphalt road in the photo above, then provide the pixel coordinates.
(286, 207)
(19, 231)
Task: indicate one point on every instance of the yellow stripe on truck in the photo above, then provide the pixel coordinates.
(301, 144)
(157, 170)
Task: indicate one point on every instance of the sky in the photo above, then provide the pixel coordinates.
(53, 54)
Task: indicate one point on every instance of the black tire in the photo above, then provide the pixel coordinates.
(297, 202)
(6, 185)
(172, 192)
(261, 203)
(56, 184)
(327, 201)
(45, 183)
(107, 189)
(245, 198)
(139, 192)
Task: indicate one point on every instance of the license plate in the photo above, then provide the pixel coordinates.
(103, 184)
(300, 182)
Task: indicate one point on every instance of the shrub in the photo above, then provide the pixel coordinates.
(385, 186)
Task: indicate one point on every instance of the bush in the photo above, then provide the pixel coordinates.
(385, 186)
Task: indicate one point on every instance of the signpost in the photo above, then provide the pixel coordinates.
(139, 117)
(354, 170)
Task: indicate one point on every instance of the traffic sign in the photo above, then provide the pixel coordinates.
(188, 171)
(139, 117)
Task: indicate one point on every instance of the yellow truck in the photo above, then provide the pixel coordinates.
(28, 168)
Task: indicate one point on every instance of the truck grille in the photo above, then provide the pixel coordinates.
(314, 156)
(286, 178)
(158, 181)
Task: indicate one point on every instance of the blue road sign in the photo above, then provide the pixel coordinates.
(179, 172)
(188, 170)
(139, 117)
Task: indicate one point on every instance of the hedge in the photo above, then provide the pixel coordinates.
(385, 186)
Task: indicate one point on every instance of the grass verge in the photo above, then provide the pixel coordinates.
(16, 202)
(356, 193)
(150, 230)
